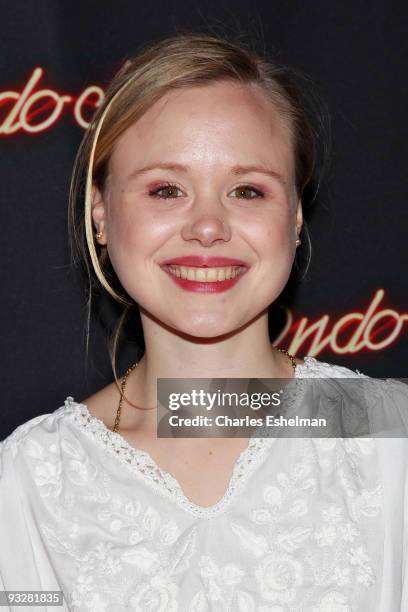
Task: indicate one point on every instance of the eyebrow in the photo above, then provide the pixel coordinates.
(235, 170)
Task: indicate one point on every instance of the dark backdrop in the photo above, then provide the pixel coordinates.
(354, 51)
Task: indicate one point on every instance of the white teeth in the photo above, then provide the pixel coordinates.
(208, 275)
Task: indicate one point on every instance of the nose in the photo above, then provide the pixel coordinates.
(207, 224)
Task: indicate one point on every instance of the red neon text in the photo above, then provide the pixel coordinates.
(35, 110)
(352, 333)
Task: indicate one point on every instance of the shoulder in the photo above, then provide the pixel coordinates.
(42, 429)
(384, 401)
(315, 368)
(388, 387)
(101, 404)
(31, 475)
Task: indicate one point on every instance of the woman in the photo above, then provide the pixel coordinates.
(195, 166)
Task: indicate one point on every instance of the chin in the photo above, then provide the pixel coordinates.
(198, 323)
(204, 327)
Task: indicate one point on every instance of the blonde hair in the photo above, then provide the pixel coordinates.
(182, 60)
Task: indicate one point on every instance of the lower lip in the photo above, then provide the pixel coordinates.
(203, 287)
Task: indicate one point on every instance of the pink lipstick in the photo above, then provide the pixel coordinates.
(177, 269)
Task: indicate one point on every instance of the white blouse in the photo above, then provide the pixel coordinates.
(306, 524)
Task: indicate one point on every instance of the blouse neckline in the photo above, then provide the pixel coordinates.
(143, 466)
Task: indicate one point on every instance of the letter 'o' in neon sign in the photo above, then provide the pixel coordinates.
(364, 331)
(36, 110)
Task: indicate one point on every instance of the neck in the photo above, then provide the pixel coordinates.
(246, 353)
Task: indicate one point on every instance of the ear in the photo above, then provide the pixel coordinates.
(299, 217)
(98, 210)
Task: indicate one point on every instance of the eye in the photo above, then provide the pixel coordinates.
(169, 187)
(242, 189)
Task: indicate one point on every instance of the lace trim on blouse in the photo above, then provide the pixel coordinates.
(143, 465)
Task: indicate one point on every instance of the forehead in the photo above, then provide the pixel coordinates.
(224, 122)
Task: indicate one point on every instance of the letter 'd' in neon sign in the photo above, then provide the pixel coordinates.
(35, 110)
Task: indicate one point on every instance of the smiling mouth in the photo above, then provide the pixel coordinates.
(205, 275)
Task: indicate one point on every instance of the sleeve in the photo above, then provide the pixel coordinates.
(404, 596)
(393, 455)
(402, 394)
(24, 564)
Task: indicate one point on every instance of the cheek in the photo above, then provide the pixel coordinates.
(275, 253)
(134, 231)
(127, 219)
(271, 237)
(134, 240)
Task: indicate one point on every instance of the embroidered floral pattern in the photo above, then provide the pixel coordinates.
(324, 546)
(292, 533)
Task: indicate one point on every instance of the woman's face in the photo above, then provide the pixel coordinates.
(207, 172)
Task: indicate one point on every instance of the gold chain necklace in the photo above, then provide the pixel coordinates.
(132, 367)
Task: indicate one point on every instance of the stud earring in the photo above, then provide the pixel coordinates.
(298, 242)
(99, 235)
